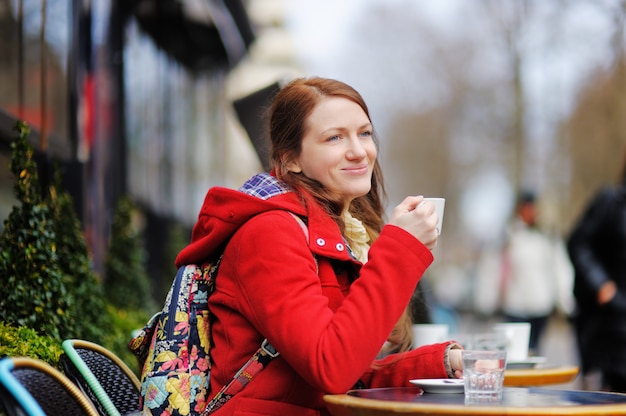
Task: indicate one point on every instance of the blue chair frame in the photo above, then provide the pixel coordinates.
(34, 388)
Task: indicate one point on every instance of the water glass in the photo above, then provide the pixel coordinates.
(483, 372)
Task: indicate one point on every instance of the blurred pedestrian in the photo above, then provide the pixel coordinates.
(597, 248)
(537, 275)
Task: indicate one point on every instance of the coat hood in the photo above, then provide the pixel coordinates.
(225, 210)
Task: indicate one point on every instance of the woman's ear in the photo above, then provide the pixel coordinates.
(292, 166)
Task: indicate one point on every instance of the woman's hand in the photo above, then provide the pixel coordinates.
(418, 218)
(456, 361)
(607, 292)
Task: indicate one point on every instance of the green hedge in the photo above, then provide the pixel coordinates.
(26, 342)
(49, 291)
(47, 281)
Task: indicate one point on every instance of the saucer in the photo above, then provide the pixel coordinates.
(440, 385)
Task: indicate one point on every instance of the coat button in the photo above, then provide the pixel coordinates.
(321, 242)
(340, 247)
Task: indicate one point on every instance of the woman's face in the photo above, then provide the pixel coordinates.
(338, 149)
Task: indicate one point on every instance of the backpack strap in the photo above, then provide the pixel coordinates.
(302, 225)
(305, 230)
(262, 356)
(254, 365)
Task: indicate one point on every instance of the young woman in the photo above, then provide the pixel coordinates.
(327, 295)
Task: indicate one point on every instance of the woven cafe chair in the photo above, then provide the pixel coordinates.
(32, 387)
(102, 376)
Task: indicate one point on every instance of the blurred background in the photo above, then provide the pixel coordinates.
(472, 100)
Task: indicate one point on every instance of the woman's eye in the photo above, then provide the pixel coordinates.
(366, 133)
(334, 138)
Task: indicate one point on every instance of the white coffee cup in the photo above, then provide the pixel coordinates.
(426, 334)
(440, 204)
(518, 339)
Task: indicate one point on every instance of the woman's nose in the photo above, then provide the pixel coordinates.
(356, 149)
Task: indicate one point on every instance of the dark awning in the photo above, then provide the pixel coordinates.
(252, 113)
(200, 34)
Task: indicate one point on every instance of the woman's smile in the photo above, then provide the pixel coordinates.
(362, 169)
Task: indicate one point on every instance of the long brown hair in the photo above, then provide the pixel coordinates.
(290, 109)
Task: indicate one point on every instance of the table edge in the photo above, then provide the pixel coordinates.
(348, 401)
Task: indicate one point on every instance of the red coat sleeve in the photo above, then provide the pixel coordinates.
(277, 289)
(396, 370)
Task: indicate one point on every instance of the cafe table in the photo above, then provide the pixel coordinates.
(540, 376)
(532, 401)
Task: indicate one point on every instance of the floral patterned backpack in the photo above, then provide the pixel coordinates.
(173, 348)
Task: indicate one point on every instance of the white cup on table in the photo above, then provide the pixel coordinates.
(517, 335)
(426, 334)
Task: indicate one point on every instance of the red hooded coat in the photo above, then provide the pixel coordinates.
(302, 295)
